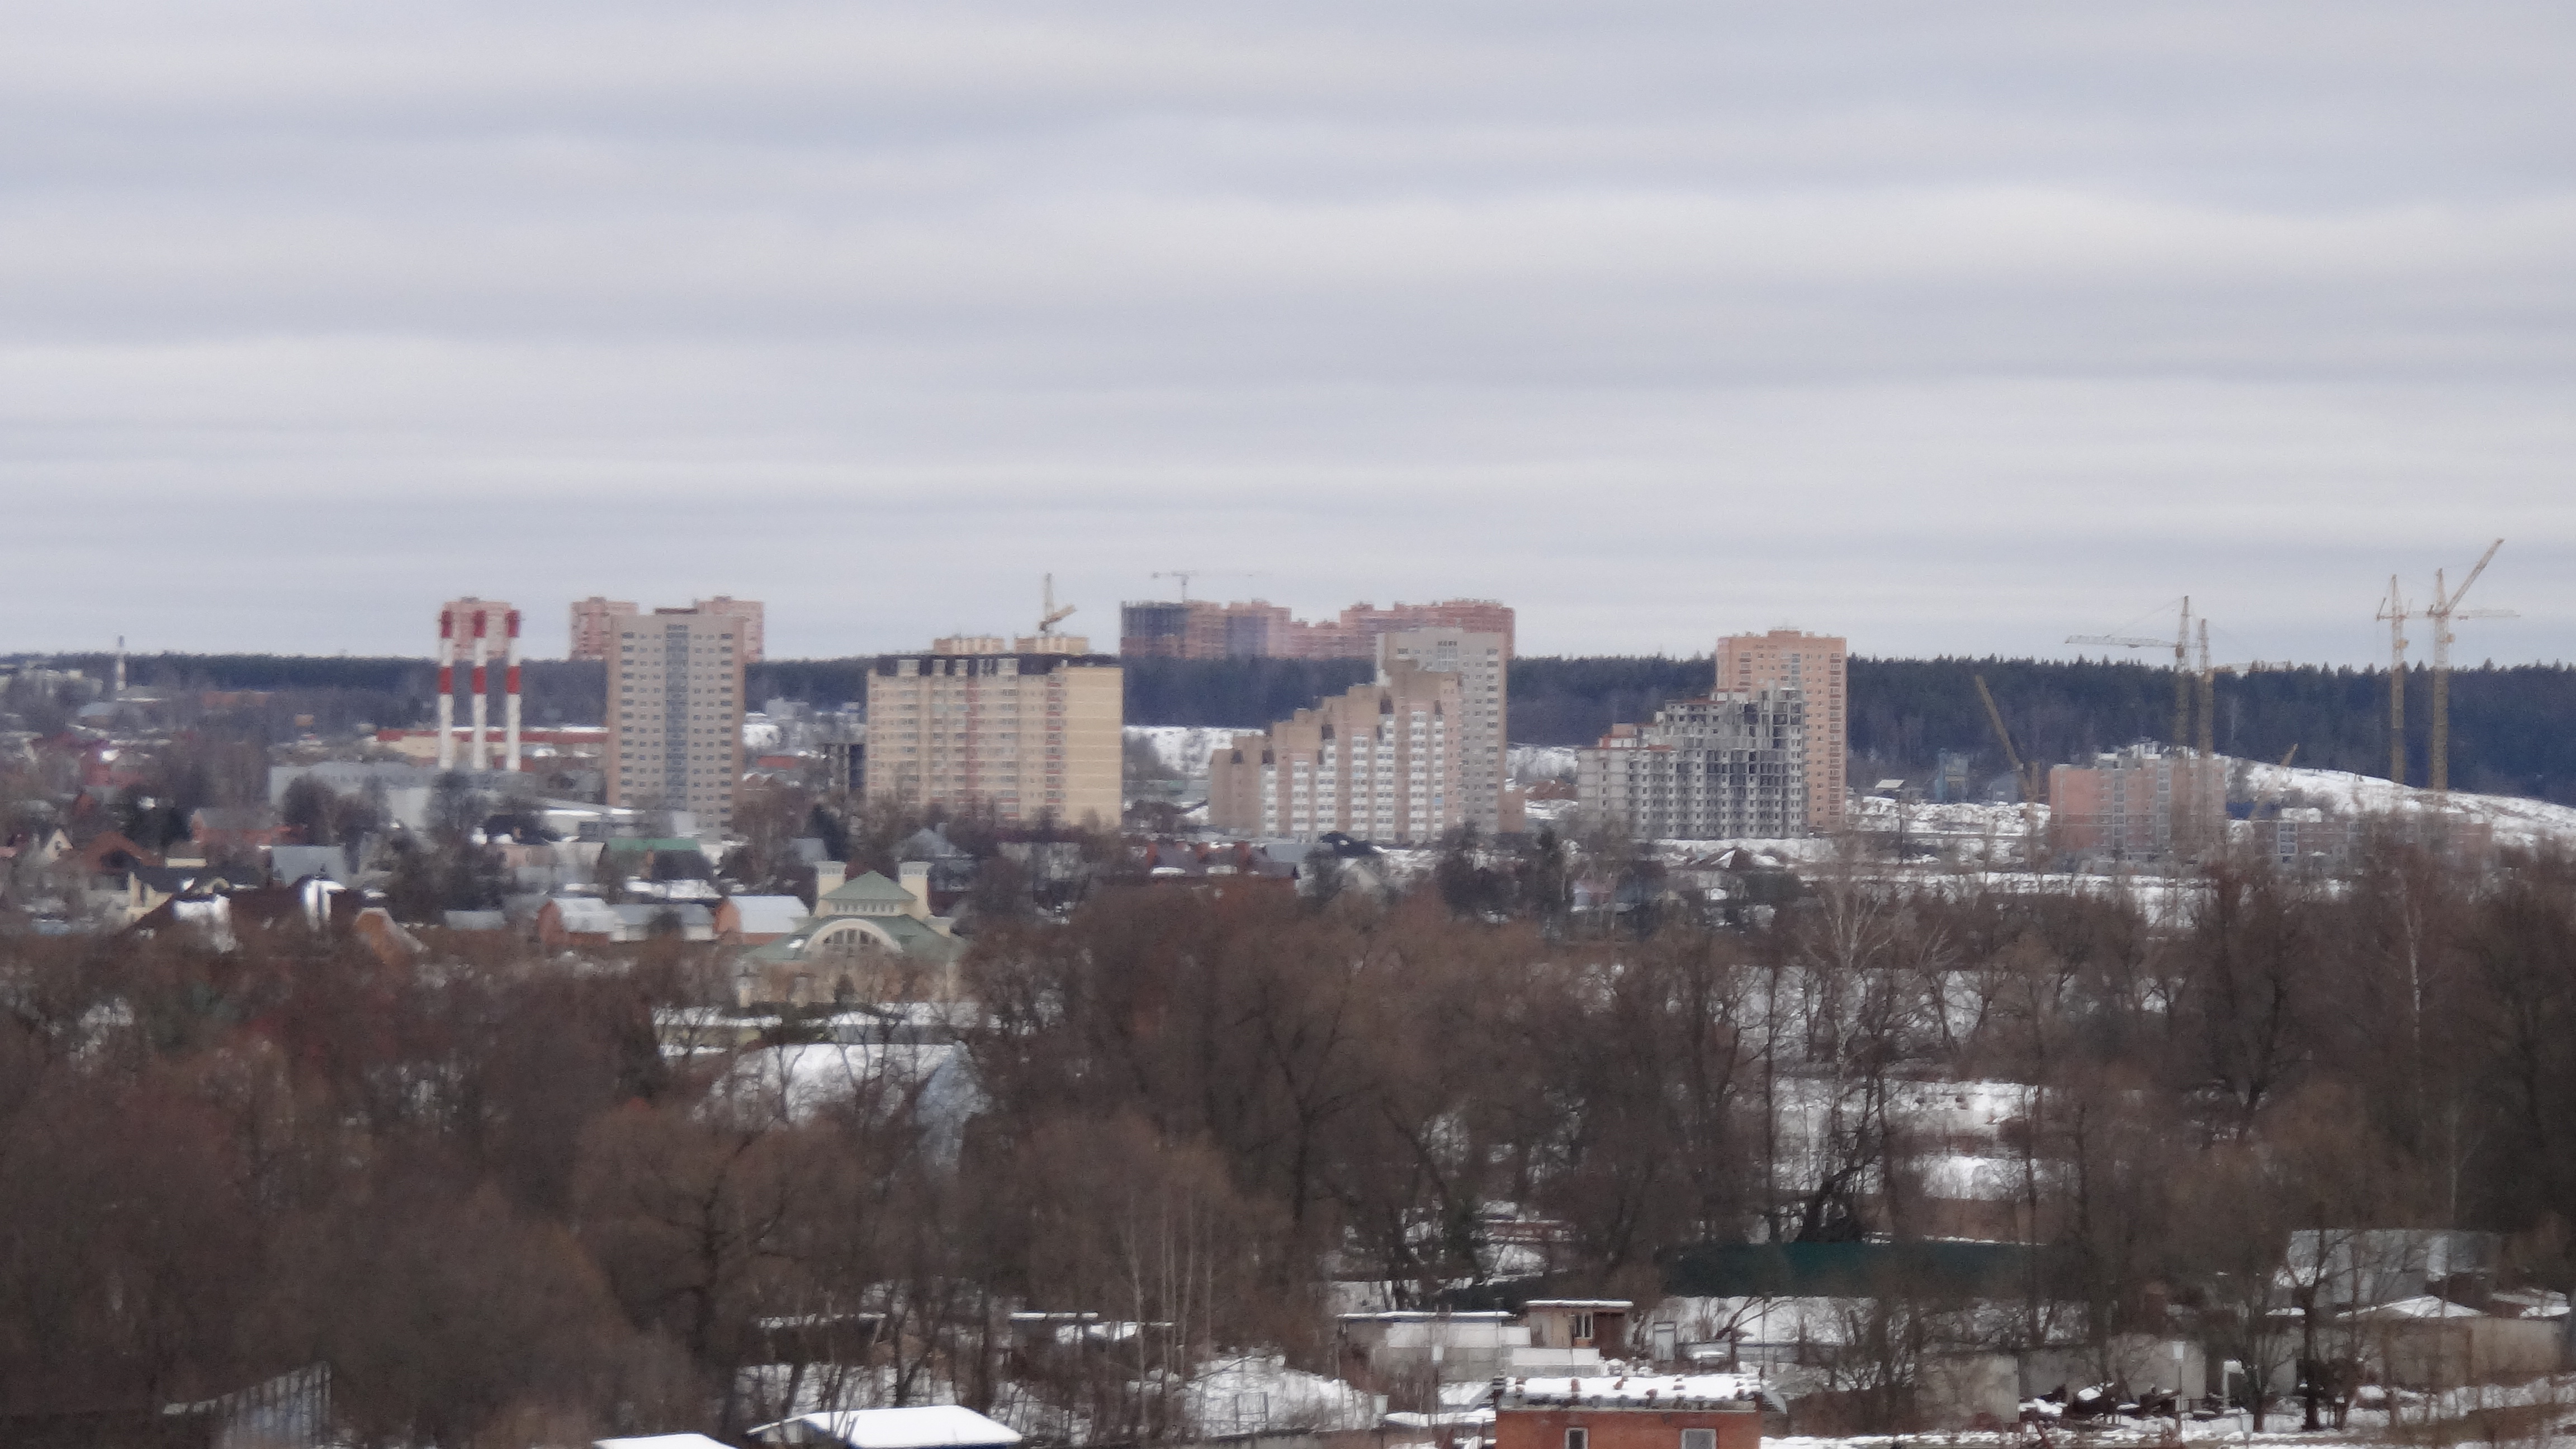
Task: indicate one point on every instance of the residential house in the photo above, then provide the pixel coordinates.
(565, 921)
(757, 920)
(236, 829)
(867, 939)
(1556, 1336)
(292, 863)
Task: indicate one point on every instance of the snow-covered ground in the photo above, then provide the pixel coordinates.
(1258, 1392)
(1959, 818)
(2517, 821)
(795, 1082)
(1530, 763)
(1184, 749)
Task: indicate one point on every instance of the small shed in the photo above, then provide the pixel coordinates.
(1600, 1323)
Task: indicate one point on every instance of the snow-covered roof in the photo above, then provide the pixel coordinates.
(932, 1426)
(2423, 1306)
(769, 915)
(586, 915)
(659, 1441)
(1633, 1391)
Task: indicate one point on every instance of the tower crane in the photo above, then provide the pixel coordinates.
(2444, 608)
(1185, 575)
(2393, 609)
(2182, 665)
(2025, 778)
(1049, 615)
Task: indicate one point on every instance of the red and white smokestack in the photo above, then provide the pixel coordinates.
(476, 755)
(510, 697)
(447, 689)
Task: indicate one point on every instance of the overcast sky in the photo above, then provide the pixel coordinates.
(1949, 327)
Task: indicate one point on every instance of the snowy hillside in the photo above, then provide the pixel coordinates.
(2517, 821)
(1184, 748)
(1529, 763)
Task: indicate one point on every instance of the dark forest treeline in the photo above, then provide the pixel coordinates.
(2508, 735)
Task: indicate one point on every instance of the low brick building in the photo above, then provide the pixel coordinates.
(1665, 1411)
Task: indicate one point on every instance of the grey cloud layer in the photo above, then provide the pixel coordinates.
(1954, 328)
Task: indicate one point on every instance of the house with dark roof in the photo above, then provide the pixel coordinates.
(292, 863)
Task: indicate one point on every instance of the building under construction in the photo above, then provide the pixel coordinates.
(1259, 629)
(2138, 804)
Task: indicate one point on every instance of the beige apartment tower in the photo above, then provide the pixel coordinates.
(1032, 731)
(1482, 661)
(675, 714)
(1380, 762)
(1813, 665)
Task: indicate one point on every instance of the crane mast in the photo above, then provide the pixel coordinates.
(2395, 612)
(2444, 608)
(2181, 735)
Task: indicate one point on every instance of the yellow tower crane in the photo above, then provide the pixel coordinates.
(2025, 777)
(2393, 609)
(2444, 608)
(1048, 614)
(2181, 736)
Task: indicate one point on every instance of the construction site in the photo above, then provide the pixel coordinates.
(2180, 800)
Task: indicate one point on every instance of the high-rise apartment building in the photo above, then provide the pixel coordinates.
(1258, 629)
(594, 627)
(1729, 767)
(675, 714)
(1380, 762)
(749, 615)
(1482, 663)
(1814, 665)
(1032, 731)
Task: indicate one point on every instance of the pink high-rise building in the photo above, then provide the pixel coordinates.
(594, 626)
(1259, 629)
(748, 615)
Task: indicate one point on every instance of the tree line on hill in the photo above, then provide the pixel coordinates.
(1903, 713)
